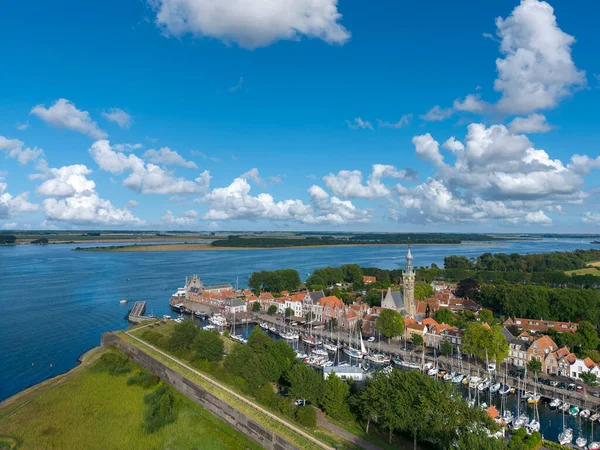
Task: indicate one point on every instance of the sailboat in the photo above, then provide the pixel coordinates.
(521, 419)
(581, 441)
(593, 444)
(534, 425)
(566, 435)
(506, 414)
(236, 337)
(354, 352)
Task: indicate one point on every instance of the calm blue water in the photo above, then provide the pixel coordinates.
(56, 303)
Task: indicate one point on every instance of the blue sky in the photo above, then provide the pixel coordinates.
(260, 117)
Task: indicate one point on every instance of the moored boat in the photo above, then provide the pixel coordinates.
(218, 320)
(581, 442)
(483, 385)
(585, 413)
(458, 378)
(573, 411)
(555, 403)
(495, 387)
(565, 437)
(474, 382)
(533, 426)
(534, 399)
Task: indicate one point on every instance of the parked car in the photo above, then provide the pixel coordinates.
(371, 339)
(562, 385)
(596, 394)
(579, 388)
(554, 383)
(491, 367)
(300, 402)
(571, 387)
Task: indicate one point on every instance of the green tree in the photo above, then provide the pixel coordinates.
(446, 347)
(183, 336)
(334, 399)
(423, 290)
(589, 378)
(444, 315)
(289, 312)
(352, 273)
(588, 335)
(256, 306)
(417, 340)
(486, 316)
(390, 324)
(535, 365)
(305, 383)
(209, 345)
(484, 341)
(373, 298)
(272, 310)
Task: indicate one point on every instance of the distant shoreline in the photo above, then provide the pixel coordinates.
(208, 247)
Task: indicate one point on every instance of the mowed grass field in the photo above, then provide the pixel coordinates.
(94, 410)
(592, 269)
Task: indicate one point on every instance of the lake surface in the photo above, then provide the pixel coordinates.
(56, 302)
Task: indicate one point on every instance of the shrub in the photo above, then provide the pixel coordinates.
(143, 378)
(160, 410)
(113, 363)
(306, 416)
(155, 338)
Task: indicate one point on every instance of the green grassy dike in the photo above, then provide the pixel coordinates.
(90, 409)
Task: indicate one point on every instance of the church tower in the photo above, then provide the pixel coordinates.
(408, 280)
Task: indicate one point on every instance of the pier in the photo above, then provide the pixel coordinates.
(136, 315)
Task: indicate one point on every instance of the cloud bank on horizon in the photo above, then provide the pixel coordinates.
(484, 168)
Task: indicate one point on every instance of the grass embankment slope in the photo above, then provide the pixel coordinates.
(97, 410)
(592, 268)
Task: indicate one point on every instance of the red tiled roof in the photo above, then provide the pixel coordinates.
(332, 301)
(545, 343)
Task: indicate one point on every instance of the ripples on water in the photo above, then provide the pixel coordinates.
(56, 303)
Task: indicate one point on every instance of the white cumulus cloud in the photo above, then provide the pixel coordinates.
(533, 123)
(12, 206)
(73, 199)
(118, 116)
(64, 114)
(349, 183)
(14, 148)
(252, 23)
(168, 157)
(145, 178)
(536, 70)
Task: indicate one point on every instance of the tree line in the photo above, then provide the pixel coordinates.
(274, 281)
(7, 238)
(360, 239)
(515, 262)
(541, 302)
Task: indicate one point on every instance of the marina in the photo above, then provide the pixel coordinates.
(519, 403)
